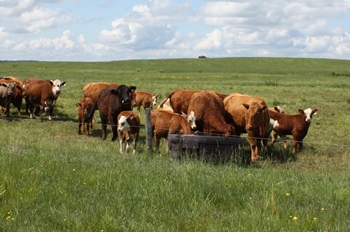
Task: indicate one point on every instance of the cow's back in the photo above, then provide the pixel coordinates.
(93, 89)
(180, 99)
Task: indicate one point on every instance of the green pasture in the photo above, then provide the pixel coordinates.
(52, 179)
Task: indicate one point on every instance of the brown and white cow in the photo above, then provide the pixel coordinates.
(296, 125)
(16, 99)
(42, 92)
(128, 126)
(209, 110)
(93, 89)
(84, 108)
(6, 95)
(110, 103)
(249, 115)
(164, 123)
(144, 99)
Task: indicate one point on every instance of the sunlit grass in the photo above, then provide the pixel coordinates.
(52, 179)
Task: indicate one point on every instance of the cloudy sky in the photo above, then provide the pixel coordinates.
(104, 30)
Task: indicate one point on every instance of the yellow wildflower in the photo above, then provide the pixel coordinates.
(287, 194)
(295, 218)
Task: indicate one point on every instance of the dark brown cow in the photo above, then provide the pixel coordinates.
(164, 123)
(84, 108)
(110, 103)
(144, 99)
(128, 126)
(180, 99)
(248, 115)
(16, 99)
(296, 125)
(41, 92)
(93, 89)
(209, 110)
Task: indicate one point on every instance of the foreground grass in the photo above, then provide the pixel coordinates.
(51, 179)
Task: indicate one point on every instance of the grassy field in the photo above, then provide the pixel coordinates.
(52, 179)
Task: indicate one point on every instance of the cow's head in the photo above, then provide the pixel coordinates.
(123, 124)
(154, 99)
(56, 86)
(308, 113)
(254, 115)
(125, 94)
(8, 89)
(191, 119)
(85, 106)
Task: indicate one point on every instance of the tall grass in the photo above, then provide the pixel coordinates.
(52, 179)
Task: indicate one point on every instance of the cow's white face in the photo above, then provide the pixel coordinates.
(192, 120)
(56, 86)
(309, 113)
(154, 99)
(123, 124)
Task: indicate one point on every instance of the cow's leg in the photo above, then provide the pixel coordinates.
(121, 138)
(88, 125)
(104, 128)
(114, 125)
(79, 126)
(157, 142)
(136, 137)
(8, 109)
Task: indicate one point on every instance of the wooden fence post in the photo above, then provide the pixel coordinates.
(149, 138)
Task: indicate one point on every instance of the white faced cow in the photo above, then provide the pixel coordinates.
(296, 125)
(42, 92)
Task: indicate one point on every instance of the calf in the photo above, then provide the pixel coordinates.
(84, 107)
(110, 103)
(144, 99)
(128, 126)
(42, 92)
(296, 125)
(164, 123)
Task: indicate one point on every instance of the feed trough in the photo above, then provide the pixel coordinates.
(209, 147)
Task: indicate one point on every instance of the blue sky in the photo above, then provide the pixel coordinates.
(104, 30)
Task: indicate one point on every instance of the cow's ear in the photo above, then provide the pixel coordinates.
(51, 82)
(315, 111)
(3, 84)
(132, 88)
(78, 104)
(246, 106)
(156, 96)
(301, 111)
(63, 83)
(114, 91)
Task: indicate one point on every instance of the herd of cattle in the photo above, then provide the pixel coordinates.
(182, 111)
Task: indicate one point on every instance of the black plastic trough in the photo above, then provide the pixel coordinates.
(209, 147)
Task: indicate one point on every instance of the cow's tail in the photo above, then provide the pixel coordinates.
(168, 97)
(91, 114)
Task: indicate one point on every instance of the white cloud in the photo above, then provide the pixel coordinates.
(171, 28)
